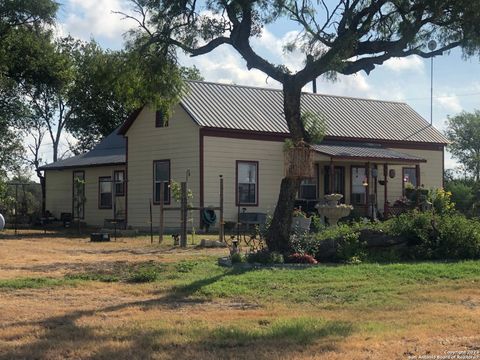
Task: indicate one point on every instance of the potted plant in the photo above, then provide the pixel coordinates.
(300, 221)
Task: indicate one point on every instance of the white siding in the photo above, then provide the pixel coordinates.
(221, 155)
(179, 143)
(59, 193)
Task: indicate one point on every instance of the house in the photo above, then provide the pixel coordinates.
(371, 150)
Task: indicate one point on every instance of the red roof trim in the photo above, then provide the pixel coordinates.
(129, 122)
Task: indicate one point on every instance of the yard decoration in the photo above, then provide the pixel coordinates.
(298, 160)
(332, 210)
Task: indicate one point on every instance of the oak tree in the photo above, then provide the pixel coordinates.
(339, 37)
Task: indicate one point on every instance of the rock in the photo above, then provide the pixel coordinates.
(327, 250)
(380, 239)
(212, 244)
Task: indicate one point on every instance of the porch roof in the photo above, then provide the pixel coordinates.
(363, 151)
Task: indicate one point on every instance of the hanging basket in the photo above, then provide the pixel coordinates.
(299, 161)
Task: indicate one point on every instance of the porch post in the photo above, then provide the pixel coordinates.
(332, 177)
(385, 194)
(367, 175)
(418, 184)
(417, 173)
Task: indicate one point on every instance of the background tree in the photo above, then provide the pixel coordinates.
(463, 130)
(339, 37)
(109, 85)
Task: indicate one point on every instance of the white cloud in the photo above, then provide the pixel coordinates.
(410, 63)
(448, 103)
(93, 18)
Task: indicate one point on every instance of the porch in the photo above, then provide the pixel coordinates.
(371, 177)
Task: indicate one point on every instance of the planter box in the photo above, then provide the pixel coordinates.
(301, 224)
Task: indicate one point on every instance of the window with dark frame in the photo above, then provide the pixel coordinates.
(338, 181)
(105, 192)
(247, 183)
(358, 191)
(119, 179)
(308, 189)
(78, 201)
(160, 120)
(409, 177)
(161, 174)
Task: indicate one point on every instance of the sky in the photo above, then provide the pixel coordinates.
(456, 80)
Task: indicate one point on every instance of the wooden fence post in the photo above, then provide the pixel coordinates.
(221, 231)
(183, 212)
(151, 223)
(160, 224)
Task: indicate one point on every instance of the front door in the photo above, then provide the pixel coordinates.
(338, 181)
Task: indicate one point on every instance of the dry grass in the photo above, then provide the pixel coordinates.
(160, 320)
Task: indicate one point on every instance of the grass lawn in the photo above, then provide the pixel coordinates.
(65, 297)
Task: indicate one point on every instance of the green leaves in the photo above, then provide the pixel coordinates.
(464, 133)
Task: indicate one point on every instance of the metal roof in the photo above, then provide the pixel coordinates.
(363, 151)
(110, 151)
(237, 107)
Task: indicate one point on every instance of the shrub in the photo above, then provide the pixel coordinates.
(297, 258)
(451, 236)
(414, 226)
(442, 201)
(304, 243)
(316, 224)
(463, 196)
(236, 258)
(350, 249)
(265, 257)
(262, 229)
(459, 238)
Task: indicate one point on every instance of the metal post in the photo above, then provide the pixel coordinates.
(221, 233)
(431, 92)
(160, 224)
(183, 234)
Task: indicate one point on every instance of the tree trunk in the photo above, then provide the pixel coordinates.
(278, 235)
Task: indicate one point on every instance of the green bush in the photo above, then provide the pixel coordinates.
(350, 249)
(414, 226)
(236, 258)
(430, 236)
(463, 196)
(316, 224)
(265, 257)
(459, 238)
(305, 243)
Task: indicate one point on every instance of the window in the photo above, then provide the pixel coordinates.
(119, 178)
(78, 195)
(247, 183)
(105, 192)
(308, 189)
(359, 190)
(410, 177)
(160, 120)
(161, 174)
(338, 180)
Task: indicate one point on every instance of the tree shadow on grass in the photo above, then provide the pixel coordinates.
(64, 337)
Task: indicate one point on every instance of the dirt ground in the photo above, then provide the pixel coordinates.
(135, 321)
